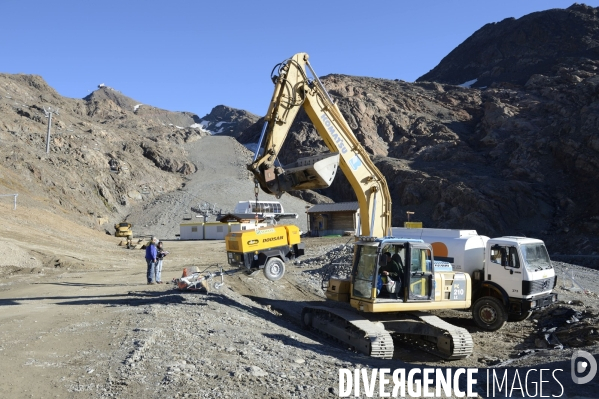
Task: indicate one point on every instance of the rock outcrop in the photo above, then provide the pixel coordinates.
(512, 50)
(108, 153)
(515, 158)
(227, 121)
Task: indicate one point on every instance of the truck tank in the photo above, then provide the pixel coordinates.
(466, 247)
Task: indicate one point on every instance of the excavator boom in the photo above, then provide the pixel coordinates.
(295, 90)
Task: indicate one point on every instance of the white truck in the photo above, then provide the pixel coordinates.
(512, 276)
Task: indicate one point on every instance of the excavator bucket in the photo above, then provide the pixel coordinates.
(309, 173)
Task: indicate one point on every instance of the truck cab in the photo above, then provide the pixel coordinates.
(512, 276)
(522, 271)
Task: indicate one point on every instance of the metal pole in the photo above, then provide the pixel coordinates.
(260, 141)
(48, 135)
(319, 82)
(373, 214)
(11, 195)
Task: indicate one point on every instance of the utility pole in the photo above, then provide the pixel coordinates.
(11, 195)
(49, 113)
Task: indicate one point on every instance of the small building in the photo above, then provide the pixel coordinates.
(219, 230)
(191, 231)
(342, 218)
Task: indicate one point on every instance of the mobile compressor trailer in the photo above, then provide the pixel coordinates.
(512, 276)
(264, 248)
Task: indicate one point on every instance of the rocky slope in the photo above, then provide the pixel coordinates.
(512, 50)
(518, 157)
(109, 155)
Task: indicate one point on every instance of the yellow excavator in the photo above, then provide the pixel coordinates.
(376, 313)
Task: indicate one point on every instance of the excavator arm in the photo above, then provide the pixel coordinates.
(294, 90)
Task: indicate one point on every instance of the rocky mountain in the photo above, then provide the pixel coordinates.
(226, 121)
(107, 152)
(516, 153)
(513, 50)
(517, 157)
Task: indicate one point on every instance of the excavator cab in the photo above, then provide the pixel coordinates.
(420, 275)
(416, 280)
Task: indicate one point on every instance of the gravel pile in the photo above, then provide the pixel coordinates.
(337, 261)
(217, 345)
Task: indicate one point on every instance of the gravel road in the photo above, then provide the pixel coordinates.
(79, 321)
(222, 180)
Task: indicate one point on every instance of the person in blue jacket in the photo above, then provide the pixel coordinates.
(151, 258)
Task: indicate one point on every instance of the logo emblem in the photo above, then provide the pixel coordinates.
(579, 366)
(545, 284)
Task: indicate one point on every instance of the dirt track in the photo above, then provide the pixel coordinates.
(78, 319)
(95, 329)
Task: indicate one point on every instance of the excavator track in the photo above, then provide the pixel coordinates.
(374, 337)
(433, 335)
(345, 326)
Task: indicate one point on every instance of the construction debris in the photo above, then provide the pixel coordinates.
(564, 326)
(194, 280)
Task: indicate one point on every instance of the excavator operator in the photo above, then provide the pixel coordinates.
(391, 268)
(391, 274)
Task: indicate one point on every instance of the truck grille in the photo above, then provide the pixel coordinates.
(534, 287)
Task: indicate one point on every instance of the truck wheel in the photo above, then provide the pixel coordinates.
(274, 269)
(519, 317)
(489, 313)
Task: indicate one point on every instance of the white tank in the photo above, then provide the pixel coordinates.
(466, 247)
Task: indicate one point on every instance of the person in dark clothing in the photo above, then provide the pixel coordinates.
(391, 273)
(391, 268)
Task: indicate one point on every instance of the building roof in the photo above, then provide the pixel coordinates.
(336, 207)
(240, 217)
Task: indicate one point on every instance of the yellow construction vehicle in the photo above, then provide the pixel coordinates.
(266, 248)
(372, 320)
(123, 229)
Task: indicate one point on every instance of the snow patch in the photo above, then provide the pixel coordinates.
(468, 83)
(203, 125)
(137, 107)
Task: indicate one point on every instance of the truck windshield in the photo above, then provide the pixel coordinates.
(535, 257)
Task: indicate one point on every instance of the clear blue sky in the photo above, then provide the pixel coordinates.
(193, 55)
